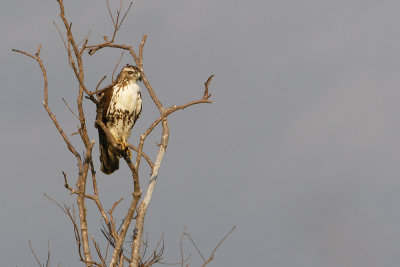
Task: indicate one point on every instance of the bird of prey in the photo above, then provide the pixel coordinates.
(121, 105)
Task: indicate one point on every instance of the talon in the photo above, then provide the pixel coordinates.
(122, 144)
(128, 153)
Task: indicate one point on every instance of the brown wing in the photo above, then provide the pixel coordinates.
(109, 158)
(105, 99)
(138, 110)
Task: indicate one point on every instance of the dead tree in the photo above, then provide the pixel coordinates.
(136, 212)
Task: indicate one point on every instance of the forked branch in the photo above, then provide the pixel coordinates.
(212, 254)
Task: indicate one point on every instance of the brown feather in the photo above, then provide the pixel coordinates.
(105, 99)
(109, 157)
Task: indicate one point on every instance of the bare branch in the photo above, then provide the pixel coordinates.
(34, 254)
(109, 12)
(149, 192)
(126, 13)
(72, 217)
(206, 84)
(212, 255)
(125, 226)
(156, 255)
(61, 35)
(73, 113)
(84, 41)
(139, 61)
(147, 158)
(48, 254)
(25, 53)
(37, 259)
(115, 205)
(45, 102)
(180, 245)
(66, 185)
(92, 49)
(195, 246)
(116, 65)
(97, 87)
(98, 252)
(62, 133)
(177, 263)
(223, 239)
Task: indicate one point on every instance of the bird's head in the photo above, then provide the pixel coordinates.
(130, 73)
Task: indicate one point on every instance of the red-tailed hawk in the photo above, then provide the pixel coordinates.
(120, 106)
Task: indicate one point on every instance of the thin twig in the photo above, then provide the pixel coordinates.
(66, 185)
(34, 254)
(177, 263)
(72, 217)
(212, 255)
(115, 205)
(116, 65)
(48, 254)
(109, 12)
(102, 79)
(195, 246)
(65, 102)
(147, 158)
(85, 39)
(126, 13)
(223, 239)
(98, 252)
(181, 246)
(61, 35)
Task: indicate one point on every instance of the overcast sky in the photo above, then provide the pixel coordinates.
(300, 148)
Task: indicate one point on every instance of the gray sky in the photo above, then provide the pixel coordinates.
(300, 148)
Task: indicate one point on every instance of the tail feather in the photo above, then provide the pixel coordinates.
(109, 157)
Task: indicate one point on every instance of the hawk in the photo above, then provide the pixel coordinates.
(121, 105)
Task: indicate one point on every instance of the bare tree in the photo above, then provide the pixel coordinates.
(115, 234)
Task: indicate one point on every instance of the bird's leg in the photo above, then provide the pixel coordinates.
(123, 144)
(124, 147)
(128, 152)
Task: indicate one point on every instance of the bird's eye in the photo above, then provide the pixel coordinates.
(130, 72)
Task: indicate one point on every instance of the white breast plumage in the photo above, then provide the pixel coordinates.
(124, 109)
